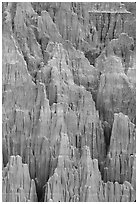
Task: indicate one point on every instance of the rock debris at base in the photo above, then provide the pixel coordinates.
(68, 102)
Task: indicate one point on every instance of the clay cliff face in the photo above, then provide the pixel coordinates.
(68, 102)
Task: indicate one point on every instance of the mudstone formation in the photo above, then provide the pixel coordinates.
(68, 102)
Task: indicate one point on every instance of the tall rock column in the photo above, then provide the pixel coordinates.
(17, 185)
(120, 162)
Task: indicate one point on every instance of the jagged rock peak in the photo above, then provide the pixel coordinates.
(122, 135)
(20, 186)
(114, 90)
(69, 101)
(120, 161)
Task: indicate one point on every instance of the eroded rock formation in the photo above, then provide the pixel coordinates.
(17, 186)
(68, 99)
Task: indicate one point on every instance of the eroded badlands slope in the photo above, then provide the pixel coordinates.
(68, 99)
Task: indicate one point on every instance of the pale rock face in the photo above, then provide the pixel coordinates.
(120, 161)
(17, 178)
(25, 105)
(62, 89)
(68, 102)
(115, 94)
(68, 184)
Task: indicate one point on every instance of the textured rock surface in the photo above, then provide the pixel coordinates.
(68, 102)
(120, 161)
(115, 92)
(69, 184)
(17, 186)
